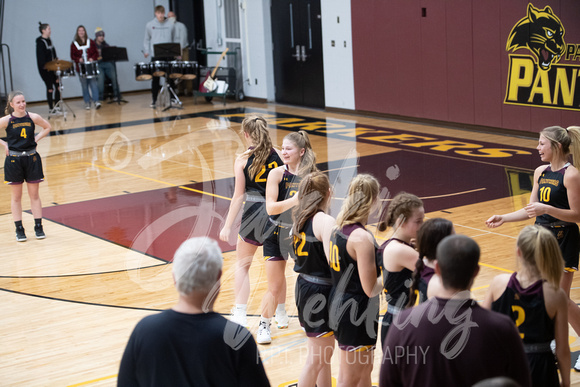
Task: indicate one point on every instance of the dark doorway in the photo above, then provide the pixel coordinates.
(297, 38)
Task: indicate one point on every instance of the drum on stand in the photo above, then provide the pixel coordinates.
(142, 71)
(89, 69)
(189, 70)
(175, 69)
(159, 68)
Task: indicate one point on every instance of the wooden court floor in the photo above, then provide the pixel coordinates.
(126, 184)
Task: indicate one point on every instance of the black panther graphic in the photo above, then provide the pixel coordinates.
(542, 33)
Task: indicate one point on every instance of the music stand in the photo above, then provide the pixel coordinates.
(168, 51)
(115, 54)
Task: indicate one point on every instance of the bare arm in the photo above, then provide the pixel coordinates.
(44, 124)
(323, 225)
(522, 213)
(237, 199)
(495, 290)
(3, 124)
(556, 303)
(361, 247)
(398, 256)
(273, 206)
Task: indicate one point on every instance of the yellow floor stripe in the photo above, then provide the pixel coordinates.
(159, 181)
(94, 381)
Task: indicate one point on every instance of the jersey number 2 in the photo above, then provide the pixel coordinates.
(259, 178)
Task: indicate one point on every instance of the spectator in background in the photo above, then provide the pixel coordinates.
(107, 69)
(184, 87)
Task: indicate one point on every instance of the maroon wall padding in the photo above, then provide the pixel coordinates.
(433, 60)
(451, 65)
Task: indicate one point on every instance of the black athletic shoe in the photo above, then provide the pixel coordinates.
(20, 234)
(39, 232)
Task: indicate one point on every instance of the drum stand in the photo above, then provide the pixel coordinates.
(167, 99)
(61, 106)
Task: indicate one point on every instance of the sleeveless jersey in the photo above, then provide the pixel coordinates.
(20, 134)
(287, 188)
(526, 307)
(257, 184)
(309, 252)
(426, 276)
(551, 191)
(342, 264)
(396, 284)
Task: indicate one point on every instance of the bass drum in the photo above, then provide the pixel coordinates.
(142, 71)
(189, 70)
(89, 69)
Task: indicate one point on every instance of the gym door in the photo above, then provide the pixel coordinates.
(297, 38)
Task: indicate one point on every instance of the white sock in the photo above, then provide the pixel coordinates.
(242, 307)
(281, 308)
(264, 320)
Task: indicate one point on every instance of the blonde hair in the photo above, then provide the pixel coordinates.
(403, 204)
(568, 138)
(257, 128)
(312, 196)
(363, 190)
(15, 93)
(540, 250)
(308, 159)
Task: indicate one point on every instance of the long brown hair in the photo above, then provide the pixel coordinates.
(308, 160)
(78, 38)
(363, 190)
(257, 128)
(312, 196)
(9, 110)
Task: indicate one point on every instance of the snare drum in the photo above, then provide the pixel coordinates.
(89, 69)
(70, 72)
(189, 69)
(142, 71)
(175, 69)
(159, 68)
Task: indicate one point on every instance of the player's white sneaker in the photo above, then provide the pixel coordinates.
(264, 336)
(577, 365)
(281, 319)
(239, 316)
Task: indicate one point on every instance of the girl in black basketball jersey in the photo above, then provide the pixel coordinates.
(428, 237)
(354, 307)
(299, 160)
(398, 255)
(311, 231)
(251, 171)
(555, 202)
(539, 308)
(22, 162)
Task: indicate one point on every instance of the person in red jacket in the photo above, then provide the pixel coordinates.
(83, 51)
